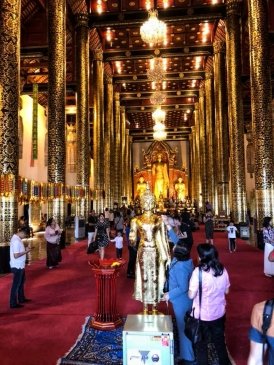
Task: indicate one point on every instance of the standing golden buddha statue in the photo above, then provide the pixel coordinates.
(141, 187)
(160, 174)
(180, 189)
(153, 253)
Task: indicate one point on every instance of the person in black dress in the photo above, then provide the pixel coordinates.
(102, 234)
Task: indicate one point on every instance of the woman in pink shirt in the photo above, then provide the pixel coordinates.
(215, 285)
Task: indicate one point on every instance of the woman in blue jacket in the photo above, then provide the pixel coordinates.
(180, 272)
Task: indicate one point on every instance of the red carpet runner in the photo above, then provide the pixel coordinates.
(46, 328)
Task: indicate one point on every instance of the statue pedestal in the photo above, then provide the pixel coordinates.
(106, 316)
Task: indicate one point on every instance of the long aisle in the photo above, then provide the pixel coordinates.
(46, 328)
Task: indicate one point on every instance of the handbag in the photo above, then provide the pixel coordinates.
(92, 247)
(271, 256)
(192, 325)
(166, 283)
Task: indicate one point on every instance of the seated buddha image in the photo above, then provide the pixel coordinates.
(180, 189)
(161, 179)
(141, 187)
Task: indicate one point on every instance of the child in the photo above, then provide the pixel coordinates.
(231, 230)
(118, 244)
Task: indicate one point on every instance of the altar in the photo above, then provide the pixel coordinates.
(164, 167)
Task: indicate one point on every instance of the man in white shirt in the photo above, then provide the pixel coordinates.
(231, 230)
(17, 264)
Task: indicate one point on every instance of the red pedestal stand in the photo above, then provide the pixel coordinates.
(106, 316)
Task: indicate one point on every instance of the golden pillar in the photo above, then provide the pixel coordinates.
(210, 129)
(56, 103)
(130, 177)
(235, 111)
(261, 98)
(123, 150)
(127, 167)
(221, 128)
(98, 131)
(197, 154)
(108, 132)
(202, 146)
(9, 112)
(117, 155)
(192, 162)
(82, 116)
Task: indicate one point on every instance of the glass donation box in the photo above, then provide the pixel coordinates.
(148, 339)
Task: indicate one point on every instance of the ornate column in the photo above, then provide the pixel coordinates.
(260, 77)
(117, 163)
(221, 128)
(192, 161)
(108, 132)
(56, 104)
(98, 131)
(197, 153)
(235, 108)
(127, 167)
(82, 116)
(210, 129)
(202, 145)
(130, 177)
(122, 151)
(9, 112)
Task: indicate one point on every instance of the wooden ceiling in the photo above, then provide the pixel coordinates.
(192, 26)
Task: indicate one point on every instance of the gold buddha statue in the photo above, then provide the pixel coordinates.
(153, 253)
(160, 174)
(180, 189)
(141, 187)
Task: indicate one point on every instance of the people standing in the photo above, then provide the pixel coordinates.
(119, 222)
(18, 255)
(118, 240)
(132, 252)
(52, 236)
(268, 235)
(180, 271)
(92, 220)
(215, 285)
(101, 234)
(231, 233)
(209, 227)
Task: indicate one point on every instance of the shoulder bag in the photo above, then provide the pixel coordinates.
(166, 284)
(192, 325)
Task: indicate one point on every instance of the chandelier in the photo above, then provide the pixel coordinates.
(156, 73)
(159, 131)
(159, 115)
(158, 98)
(153, 31)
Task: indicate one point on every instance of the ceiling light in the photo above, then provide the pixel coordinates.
(158, 98)
(159, 115)
(156, 71)
(153, 31)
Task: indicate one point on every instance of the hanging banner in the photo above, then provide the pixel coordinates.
(35, 122)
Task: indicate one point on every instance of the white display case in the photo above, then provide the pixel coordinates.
(148, 339)
(79, 227)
